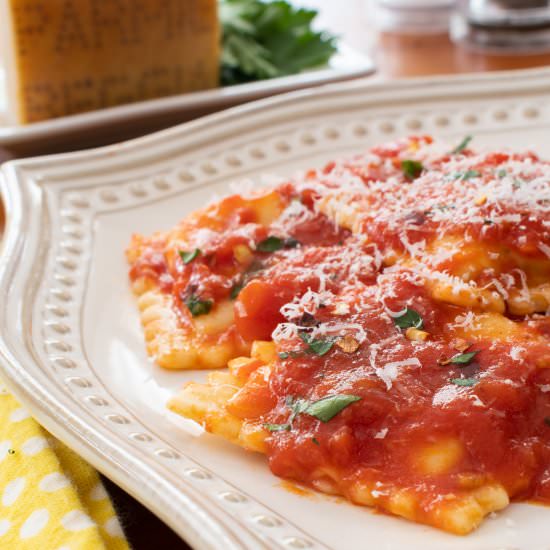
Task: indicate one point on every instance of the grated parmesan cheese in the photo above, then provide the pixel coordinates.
(390, 371)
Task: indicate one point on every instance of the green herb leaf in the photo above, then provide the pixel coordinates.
(463, 358)
(197, 306)
(271, 244)
(517, 183)
(235, 290)
(269, 39)
(327, 408)
(466, 175)
(501, 173)
(411, 168)
(324, 409)
(188, 257)
(488, 222)
(464, 381)
(445, 207)
(471, 174)
(462, 145)
(410, 318)
(317, 346)
(315, 440)
(277, 427)
(292, 354)
(297, 405)
(11, 451)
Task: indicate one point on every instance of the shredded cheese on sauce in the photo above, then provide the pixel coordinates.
(390, 371)
(415, 295)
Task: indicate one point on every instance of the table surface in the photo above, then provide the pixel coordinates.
(396, 56)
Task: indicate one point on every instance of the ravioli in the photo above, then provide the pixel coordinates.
(423, 416)
(187, 279)
(385, 324)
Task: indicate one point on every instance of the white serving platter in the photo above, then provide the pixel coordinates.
(71, 347)
(89, 128)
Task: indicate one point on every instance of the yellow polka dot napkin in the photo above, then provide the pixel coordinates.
(49, 497)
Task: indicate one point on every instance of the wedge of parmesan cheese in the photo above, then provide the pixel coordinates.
(68, 56)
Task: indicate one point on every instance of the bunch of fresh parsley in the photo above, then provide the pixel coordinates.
(269, 39)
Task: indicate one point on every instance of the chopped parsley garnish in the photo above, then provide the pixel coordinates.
(188, 257)
(463, 358)
(471, 174)
(327, 408)
(277, 427)
(411, 168)
(315, 440)
(235, 290)
(272, 244)
(409, 319)
(445, 207)
(464, 381)
(488, 222)
(197, 306)
(466, 175)
(11, 451)
(287, 354)
(517, 184)
(502, 173)
(462, 145)
(297, 406)
(324, 409)
(316, 345)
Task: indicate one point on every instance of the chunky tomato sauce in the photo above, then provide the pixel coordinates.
(500, 420)
(231, 257)
(358, 276)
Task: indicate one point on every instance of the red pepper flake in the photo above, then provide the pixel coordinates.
(460, 344)
(348, 344)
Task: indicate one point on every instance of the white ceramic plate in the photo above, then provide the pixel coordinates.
(345, 64)
(71, 347)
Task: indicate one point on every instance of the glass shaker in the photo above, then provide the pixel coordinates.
(413, 37)
(504, 26)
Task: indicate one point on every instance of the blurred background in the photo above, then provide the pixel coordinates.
(422, 37)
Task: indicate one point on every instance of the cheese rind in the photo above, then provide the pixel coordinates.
(68, 56)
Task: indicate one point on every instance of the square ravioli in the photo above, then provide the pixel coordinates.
(385, 324)
(398, 403)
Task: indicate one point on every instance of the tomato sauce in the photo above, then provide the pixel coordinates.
(500, 420)
(220, 269)
(352, 313)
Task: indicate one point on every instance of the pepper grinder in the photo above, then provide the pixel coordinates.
(504, 26)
